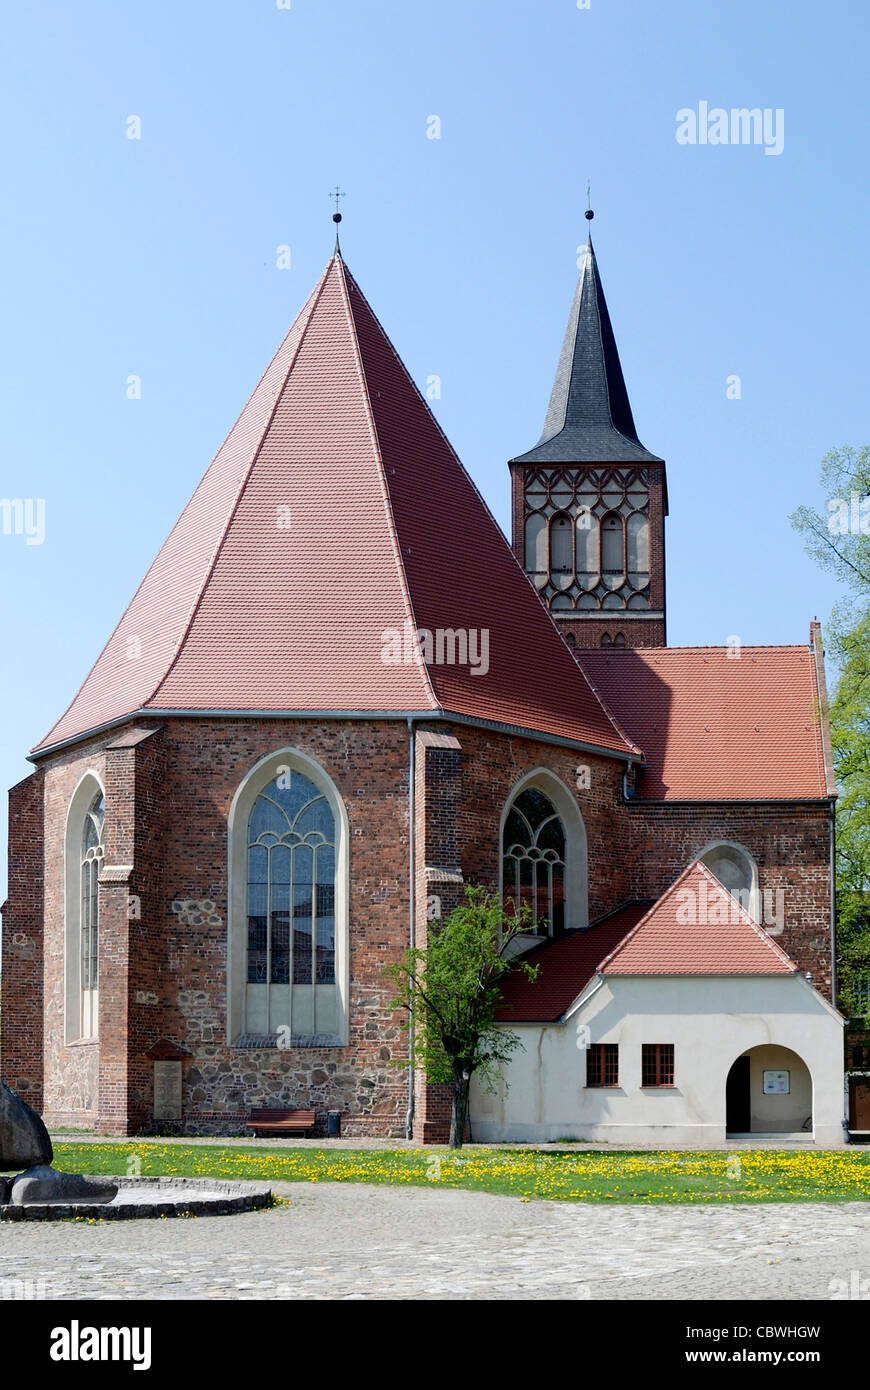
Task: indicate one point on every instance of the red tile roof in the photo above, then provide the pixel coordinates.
(697, 928)
(718, 727)
(681, 934)
(336, 510)
(566, 966)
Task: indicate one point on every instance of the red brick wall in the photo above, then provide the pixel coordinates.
(493, 764)
(21, 1045)
(459, 803)
(167, 806)
(789, 843)
(205, 763)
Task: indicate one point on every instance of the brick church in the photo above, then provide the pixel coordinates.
(339, 695)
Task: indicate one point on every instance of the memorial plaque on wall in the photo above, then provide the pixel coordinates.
(167, 1090)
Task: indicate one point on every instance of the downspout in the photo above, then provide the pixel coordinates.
(412, 850)
(832, 837)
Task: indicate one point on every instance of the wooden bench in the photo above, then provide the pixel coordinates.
(268, 1121)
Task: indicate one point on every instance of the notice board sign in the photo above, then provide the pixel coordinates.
(776, 1083)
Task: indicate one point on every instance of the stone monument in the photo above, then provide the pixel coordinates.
(25, 1145)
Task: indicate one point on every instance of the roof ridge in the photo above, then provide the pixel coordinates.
(311, 304)
(344, 275)
(700, 647)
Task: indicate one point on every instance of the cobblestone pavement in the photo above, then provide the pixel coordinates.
(349, 1241)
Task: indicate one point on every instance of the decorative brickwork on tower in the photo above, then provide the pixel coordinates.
(589, 501)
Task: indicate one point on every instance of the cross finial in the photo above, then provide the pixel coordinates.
(336, 216)
(589, 213)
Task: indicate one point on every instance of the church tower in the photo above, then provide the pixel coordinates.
(589, 501)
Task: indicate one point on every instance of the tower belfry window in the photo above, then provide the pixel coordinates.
(587, 537)
(612, 549)
(562, 548)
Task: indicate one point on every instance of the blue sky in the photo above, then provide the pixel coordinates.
(157, 257)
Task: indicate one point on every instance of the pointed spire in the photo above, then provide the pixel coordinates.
(589, 417)
(336, 217)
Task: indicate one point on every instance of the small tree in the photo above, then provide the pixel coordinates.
(451, 991)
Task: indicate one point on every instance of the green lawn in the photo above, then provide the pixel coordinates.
(766, 1175)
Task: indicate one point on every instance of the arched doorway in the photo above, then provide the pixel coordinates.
(769, 1090)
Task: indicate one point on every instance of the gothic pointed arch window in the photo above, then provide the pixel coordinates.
(536, 548)
(561, 549)
(84, 856)
(637, 530)
(587, 542)
(534, 859)
(612, 549)
(543, 854)
(288, 948)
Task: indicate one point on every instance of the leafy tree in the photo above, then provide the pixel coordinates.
(838, 538)
(451, 992)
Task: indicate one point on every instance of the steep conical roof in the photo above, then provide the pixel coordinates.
(334, 520)
(589, 418)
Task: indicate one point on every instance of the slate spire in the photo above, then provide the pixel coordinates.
(589, 417)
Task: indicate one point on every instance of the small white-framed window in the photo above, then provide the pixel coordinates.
(287, 923)
(83, 863)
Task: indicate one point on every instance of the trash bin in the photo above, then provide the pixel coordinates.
(333, 1124)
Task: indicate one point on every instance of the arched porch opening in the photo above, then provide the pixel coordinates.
(768, 1090)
